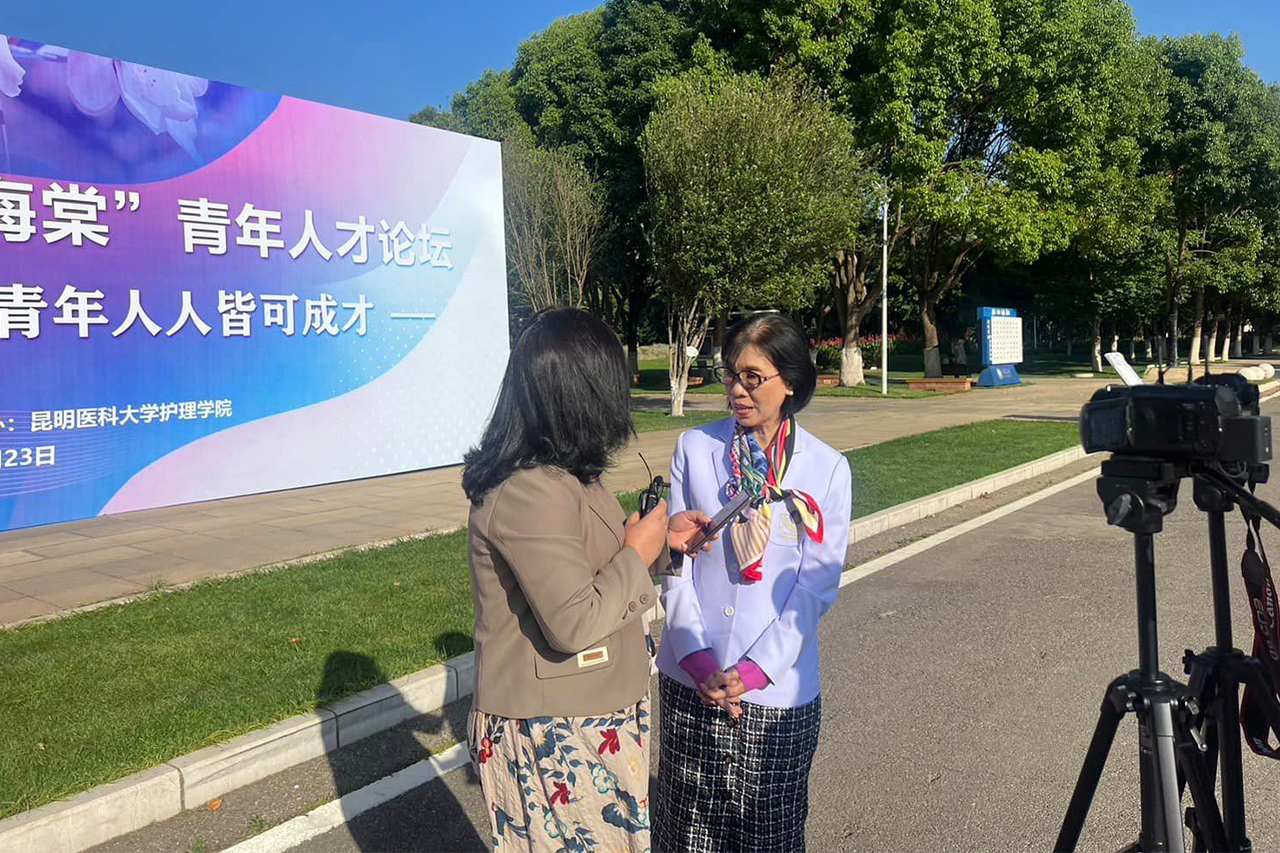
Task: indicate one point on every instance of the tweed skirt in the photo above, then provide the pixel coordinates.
(731, 785)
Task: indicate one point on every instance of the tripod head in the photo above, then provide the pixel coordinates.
(1237, 489)
(1137, 492)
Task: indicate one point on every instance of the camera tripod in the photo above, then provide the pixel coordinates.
(1185, 731)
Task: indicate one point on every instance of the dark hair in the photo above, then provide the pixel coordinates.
(565, 401)
(780, 339)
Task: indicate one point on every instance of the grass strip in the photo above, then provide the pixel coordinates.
(99, 695)
(647, 420)
(904, 469)
(655, 379)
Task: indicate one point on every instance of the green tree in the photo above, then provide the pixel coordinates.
(998, 115)
(486, 108)
(988, 118)
(436, 117)
(750, 181)
(1217, 154)
(822, 38)
(588, 83)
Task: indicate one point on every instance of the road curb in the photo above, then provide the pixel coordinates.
(97, 815)
(187, 782)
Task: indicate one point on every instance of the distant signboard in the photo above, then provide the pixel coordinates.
(1000, 333)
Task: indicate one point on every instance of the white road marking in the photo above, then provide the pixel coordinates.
(907, 551)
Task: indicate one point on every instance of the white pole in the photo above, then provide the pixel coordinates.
(884, 297)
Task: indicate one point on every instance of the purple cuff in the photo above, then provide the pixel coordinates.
(700, 665)
(753, 677)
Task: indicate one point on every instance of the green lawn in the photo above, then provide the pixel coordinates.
(1043, 365)
(98, 695)
(904, 469)
(652, 421)
(654, 378)
(898, 389)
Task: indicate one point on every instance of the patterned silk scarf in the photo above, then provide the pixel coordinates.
(760, 474)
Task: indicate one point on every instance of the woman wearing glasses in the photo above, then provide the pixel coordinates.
(739, 687)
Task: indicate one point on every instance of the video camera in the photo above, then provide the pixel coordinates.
(1210, 431)
(1214, 418)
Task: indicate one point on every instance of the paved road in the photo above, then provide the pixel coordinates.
(962, 685)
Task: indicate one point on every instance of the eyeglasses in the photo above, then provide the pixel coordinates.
(748, 379)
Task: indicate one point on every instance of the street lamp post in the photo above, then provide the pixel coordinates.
(884, 292)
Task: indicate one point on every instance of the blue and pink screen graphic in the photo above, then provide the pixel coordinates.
(207, 290)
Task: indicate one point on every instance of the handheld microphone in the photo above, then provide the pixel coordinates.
(658, 489)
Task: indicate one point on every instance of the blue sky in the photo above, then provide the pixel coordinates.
(394, 56)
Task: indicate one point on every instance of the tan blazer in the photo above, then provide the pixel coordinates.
(559, 601)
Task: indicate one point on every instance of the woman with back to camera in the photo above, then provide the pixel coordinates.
(559, 726)
(740, 703)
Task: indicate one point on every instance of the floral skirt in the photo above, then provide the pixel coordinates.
(565, 783)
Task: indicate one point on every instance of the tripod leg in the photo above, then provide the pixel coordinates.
(1113, 710)
(1209, 830)
(1166, 775)
(1202, 687)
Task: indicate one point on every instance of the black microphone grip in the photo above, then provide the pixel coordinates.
(649, 497)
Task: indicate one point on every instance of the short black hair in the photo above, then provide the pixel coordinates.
(782, 341)
(565, 402)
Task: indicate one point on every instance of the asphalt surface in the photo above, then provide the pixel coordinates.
(961, 688)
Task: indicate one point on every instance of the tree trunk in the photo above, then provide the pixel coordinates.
(633, 332)
(1268, 345)
(1069, 346)
(932, 356)
(1212, 354)
(1197, 325)
(851, 372)
(1133, 344)
(1257, 344)
(686, 329)
(1172, 288)
(1236, 333)
(1161, 349)
(1226, 336)
(1097, 344)
(853, 301)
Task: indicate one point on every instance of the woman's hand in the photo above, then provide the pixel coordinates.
(684, 527)
(647, 536)
(724, 688)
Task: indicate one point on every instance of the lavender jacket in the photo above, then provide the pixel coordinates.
(774, 621)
